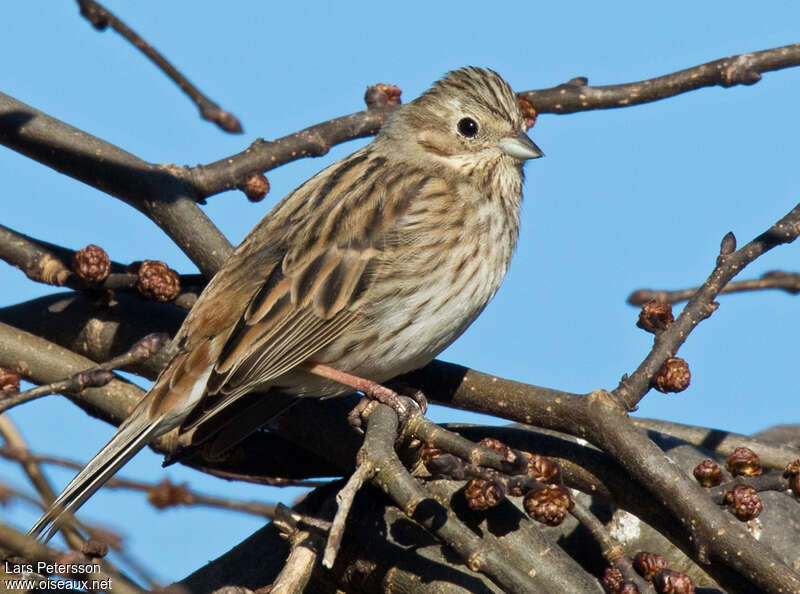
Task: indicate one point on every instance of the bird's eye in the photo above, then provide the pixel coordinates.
(467, 127)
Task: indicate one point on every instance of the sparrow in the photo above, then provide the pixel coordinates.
(367, 270)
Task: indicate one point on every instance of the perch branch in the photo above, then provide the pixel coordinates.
(570, 97)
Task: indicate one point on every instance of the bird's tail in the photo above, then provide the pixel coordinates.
(132, 436)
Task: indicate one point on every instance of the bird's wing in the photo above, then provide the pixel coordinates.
(308, 297)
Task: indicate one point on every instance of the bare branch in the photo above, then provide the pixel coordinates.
(364, 472)
(632, 389)
(29, 548)
(722, 442)
(611, 549)
(775, 279)
(154, 190)
(47, 263)
(741, 69)
(489, 558)
(100, 18)
(573, 96)
(95, 377)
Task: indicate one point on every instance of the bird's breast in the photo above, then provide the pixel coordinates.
(430, 286)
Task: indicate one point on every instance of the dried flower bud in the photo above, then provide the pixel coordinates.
(743, 461)
(224, 119)
(150, 344)
(428, 452)
(544, 469)
(794, 485)
(548, 505)
(648, 564)
(166, 494)
(529, 112)
(91, 264)
(482, 494)
(15, 560)
(107, 537)
(498, 446)
(744, 502)
(94, 549)
(157, 281)
(6, 493)
(792, 472)
(382, 94)
(708, 473)
(728, 244)
(667, 581)
(612, 579)
(674, 376)
(655, 316)
(255, 187)
(9, 381)
(69, 561)
(628, 588)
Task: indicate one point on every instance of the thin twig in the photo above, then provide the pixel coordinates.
(769, 481)
(632, 389)
(344, 498)
(94, 377)
(722, 442)
(303, 554)
(100, 18)
(611, 549)
(775, 279)
(179, 494)
(570, 97)
(29, 548)
(742, 69)
(47, 263)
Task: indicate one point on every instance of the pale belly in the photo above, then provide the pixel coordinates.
(407, 334)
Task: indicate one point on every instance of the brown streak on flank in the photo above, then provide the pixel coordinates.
(459, 267)
(418, 311)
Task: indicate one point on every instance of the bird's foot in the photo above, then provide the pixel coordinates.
(402, 403)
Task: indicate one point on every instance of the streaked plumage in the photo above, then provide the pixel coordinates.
(373, 267)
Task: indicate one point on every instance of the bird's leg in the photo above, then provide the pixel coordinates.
(409, 391)
(372, 390)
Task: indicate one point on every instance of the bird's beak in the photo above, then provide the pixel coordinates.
(520, 147)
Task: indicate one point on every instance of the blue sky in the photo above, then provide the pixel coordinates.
(628, 198)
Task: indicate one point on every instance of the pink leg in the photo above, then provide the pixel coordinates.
(370, 389)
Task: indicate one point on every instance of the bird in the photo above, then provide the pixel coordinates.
(368, 270)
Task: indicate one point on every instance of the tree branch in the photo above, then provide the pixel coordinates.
(632, 389)
(101, 18)
(741, 69)
(775, 279)
(570, 97)
(152, 189)
(94, 377)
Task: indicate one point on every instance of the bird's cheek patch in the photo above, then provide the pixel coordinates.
(436, 143)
